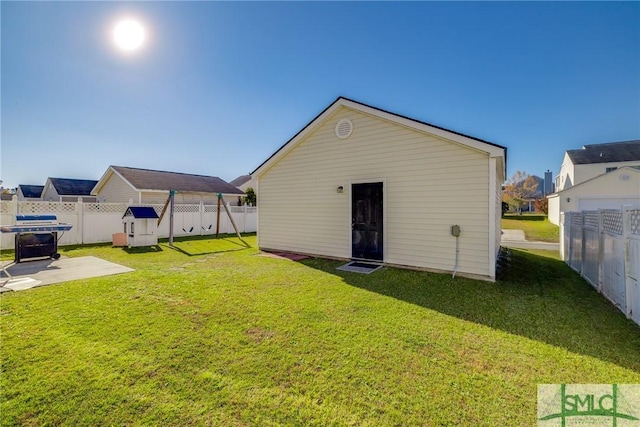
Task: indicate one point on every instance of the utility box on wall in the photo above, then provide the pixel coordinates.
(140, 224)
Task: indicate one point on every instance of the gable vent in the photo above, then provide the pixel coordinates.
(344, 128)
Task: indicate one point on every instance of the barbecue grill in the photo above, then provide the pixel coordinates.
(36, 236)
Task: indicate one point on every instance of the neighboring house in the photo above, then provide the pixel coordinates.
(145, 186)
(611, 190)
(596, 159)
(243, 182)
(589, 162)
(68, 190)
(359, 182)
(30, 192)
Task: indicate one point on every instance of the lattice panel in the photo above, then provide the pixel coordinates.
(105, 207)
(46, 207)
(5, 207)
(634, 221)
(612, 221)
(186, 208)
(210, 208)
(576, 218)
(591, 219)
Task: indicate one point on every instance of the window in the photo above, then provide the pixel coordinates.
(610, 169)
(125, 228)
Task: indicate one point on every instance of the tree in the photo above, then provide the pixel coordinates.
(519, 189)
(542, 205)
(250, 198)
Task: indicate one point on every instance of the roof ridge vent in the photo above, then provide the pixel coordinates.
(344, 128)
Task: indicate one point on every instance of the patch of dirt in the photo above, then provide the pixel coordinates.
(259, 335)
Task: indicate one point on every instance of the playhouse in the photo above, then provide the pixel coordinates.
(140, 226)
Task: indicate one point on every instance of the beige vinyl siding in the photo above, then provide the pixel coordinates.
(117, 190)
(586, 172)
(500, 178)
(607, 189)
(430, 184)
(157, 197)
(50, 194)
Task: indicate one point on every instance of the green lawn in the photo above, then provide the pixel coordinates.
(216, 334)
(536, 227)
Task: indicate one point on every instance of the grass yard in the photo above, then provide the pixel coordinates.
(536, 227)
(216, 334)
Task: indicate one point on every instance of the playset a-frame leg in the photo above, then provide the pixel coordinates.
(220, 199)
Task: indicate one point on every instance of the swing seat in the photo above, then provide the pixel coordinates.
(208, 228)
(190, 230)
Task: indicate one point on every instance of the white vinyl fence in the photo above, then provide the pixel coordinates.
(96, 222)
(604, 247)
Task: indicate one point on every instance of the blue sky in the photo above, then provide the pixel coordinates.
(219, 86)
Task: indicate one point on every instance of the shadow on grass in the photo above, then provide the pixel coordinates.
(142, 249)
(202, 245)
(536, 297)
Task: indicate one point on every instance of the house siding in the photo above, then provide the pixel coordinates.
(117, 190)
(583, 173)
(50, 194)
(497, 214)
(607, 191)
(157, 197)
(300, 209)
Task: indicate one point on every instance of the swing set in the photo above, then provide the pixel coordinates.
(170, 203)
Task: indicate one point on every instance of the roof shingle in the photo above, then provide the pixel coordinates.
(147, 179)
(73, 187)
(32, 191)
(624, 151)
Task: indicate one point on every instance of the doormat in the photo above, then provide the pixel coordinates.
(360, 267)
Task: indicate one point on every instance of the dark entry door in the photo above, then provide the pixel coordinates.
(366, 221)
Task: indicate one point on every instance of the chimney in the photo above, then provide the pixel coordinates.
(548, 182)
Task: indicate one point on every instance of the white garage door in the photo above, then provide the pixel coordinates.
(594, 204)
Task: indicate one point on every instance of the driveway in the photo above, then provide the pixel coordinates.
(516, 239)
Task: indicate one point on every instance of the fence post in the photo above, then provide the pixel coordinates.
(567, 221)
(600, 250)
(244, 226)
(201, 210)
(626, 262)
(14, 206)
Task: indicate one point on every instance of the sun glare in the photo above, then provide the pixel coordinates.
(129, 35)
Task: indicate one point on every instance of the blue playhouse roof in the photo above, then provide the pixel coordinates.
(141, 212)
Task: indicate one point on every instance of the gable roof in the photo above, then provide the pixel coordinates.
(141, 212)
(494, 150)
(240, 180)
(624, 151)
(73, 187)
(153, 180)
(33, 191)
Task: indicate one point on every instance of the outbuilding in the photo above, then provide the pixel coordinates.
(361, 183)
(140, 224)
(610, 190)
